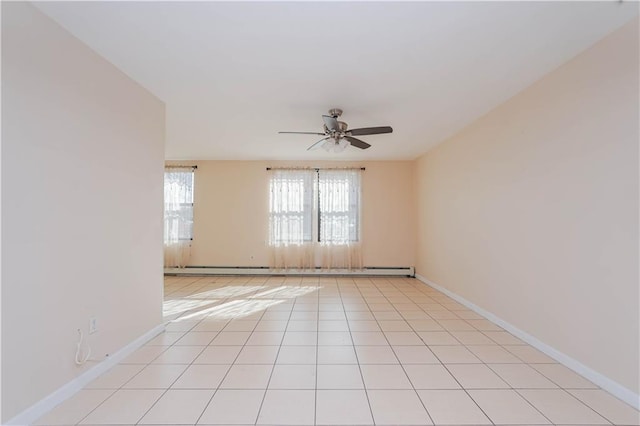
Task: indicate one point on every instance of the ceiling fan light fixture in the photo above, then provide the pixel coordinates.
(341, 146)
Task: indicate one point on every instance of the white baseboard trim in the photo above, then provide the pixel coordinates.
(614, 388)
(49, 402)
(405, 271)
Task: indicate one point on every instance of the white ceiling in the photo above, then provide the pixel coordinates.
(233, 74)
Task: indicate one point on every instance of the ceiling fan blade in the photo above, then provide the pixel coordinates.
(317, 144)
(370, 131)
(357, 142)
(304, 133)
(331, 123)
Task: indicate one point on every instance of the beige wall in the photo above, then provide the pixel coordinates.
(231, 210)
(532, 211)
(82, 164)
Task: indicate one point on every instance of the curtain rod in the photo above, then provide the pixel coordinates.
(179, 166)
(316, 168)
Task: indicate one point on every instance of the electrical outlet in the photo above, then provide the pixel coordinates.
(93, 325)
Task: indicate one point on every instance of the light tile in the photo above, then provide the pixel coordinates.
(231, 338)
(179, 355)
(560, 407)
(608, 406)
(438, 338)
(472, 338)
(300, 338)
(115, 377)
(522, 376)
(456, 325)
(395, 326)
(240, 325)
(507, 407)
(288, 407)
(376, 355)
(75, 408)
(403, 338)
(476, 376)
(273, 315)
(293, 377)
(503, 338)
(297, 355)
(197, 338)
(563, 377)
(247, 377)
(330, 307)
(430, 376)
(360, 315)
(233, 407)
(331, 315)
(397, 407)
(302, 326)
(415, 355)
(443, 315)
(363, 325)
(479, 323)
(387, 315)
(265, 338)
(271, 325)
(452, 407)
(369, 338)
(258, 355)
(333, 326)
(529, 354)
(201, 376)
(336, 355)
(334, 338)
(415, 315)
(339, 377)
(123, 407)
(342, 407)
(178, 407)
(210, 325)
(218, 355)
(454, 355)
(494, 354)
(385, 377)
(156, 376)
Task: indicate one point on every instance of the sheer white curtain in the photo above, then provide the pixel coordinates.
(291, 206)
(339, 207)
(178, 216)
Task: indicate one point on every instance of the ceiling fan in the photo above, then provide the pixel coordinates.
(337, 136)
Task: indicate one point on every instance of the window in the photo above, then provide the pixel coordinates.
(291, 206)
(314, 205)
(339, 206)
(178, 215)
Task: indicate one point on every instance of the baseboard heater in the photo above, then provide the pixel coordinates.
(403, 271)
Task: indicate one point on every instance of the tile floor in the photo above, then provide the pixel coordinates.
(333, 351)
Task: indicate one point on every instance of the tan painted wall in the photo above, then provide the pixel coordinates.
(532, 211)
(82, 164)
(231, 210)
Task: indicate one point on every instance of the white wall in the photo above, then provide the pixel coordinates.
(231, 210)
(532, 211)
(82, 164)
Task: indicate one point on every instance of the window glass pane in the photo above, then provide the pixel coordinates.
(178, 205)
(290, 206)
(339, 206)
